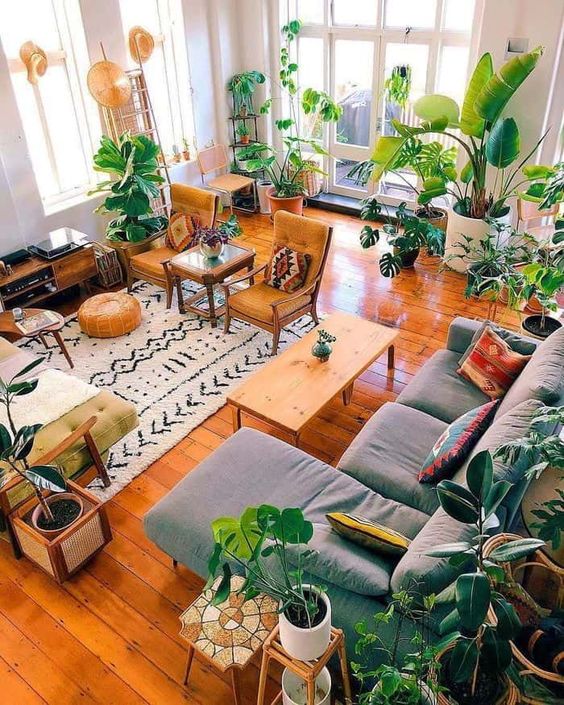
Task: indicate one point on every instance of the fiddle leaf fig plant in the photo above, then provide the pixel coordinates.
(132, 163)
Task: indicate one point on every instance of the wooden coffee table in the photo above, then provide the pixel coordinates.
(208, 272)
(294, 387)
(8, 325)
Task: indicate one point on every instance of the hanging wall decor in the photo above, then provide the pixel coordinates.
(35, 61)
(108, 83)
(141, 44)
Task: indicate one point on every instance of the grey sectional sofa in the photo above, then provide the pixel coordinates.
(376, 478)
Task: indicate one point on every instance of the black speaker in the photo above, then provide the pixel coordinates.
(15, 257)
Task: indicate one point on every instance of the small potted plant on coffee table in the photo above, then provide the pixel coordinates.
(47, 523)
(213, 240)
(476, 654)
(268, 545)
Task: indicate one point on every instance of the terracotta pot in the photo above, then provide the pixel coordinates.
(439, 221)
(53, 499)
(244, 139)
(293, 204)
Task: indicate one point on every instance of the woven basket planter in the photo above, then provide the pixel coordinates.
(65, 554)
(510, 697)
(544, 581)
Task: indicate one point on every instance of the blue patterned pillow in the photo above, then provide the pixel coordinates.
(455, 443)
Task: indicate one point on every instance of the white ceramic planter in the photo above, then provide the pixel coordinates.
(306, 644)
(459, 226)
(264, 202)
(294, 690)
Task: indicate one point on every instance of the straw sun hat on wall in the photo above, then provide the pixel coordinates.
(108, 84)
(34, 59)
(141, 44)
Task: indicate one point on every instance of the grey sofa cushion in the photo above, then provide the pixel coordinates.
(388, 453)
(542, 378)
(335, 560)
(251, 468)
(438, 390)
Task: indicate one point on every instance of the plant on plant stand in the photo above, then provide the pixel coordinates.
(287, 167)
(132, 163)
(268, 545)
(406, 236)
(243, 86)
(408, 680)
(54, 513)
(213, 240)
(243, 133)
(491, 143)
(546, 190)
(476, 653)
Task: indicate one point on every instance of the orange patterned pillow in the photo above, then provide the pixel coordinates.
(492, 365)
(181, 230)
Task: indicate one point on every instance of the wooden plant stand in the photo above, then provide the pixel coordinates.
(65, 554)
(307, 670)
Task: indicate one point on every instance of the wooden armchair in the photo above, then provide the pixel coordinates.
(148, 260)
(273, 309)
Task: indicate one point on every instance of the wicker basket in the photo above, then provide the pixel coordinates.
(109, 268)
(544, 580)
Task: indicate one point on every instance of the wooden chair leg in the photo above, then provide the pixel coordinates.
(275, 340)
(226, 319)
(97, 459)
(314, 315)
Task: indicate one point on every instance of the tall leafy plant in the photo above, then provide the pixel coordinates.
(490, 142)
(17, 443)
(481, 652)
(133, 166)
(286, 168)
(243, 86)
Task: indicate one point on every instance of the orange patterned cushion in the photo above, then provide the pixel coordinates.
(492, 365)
(287, 270)
(181, 229)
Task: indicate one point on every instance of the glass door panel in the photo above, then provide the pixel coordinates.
(361, 13)
(419, 14)
(311, 60)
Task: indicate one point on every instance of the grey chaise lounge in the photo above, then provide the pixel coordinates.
(376, 478)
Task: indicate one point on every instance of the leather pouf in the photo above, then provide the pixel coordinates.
(109, 315)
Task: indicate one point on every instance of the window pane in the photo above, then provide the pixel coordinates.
(459, 15)
(410, 13)
(353, 90)
(357, 12)
(342, 168)
(310, 61)
(453, 65)
(311, 11)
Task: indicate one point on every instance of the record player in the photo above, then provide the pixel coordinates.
(60, 242)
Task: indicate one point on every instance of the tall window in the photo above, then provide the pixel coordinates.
(166, 71)
(351, 47)
(60, 123)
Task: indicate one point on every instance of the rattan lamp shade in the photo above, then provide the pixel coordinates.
(108, 84)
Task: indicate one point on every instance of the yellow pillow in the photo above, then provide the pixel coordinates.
(369, 534)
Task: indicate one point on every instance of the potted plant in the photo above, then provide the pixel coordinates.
(476, 654)
(133, 166)
(243, 133)
(243, 86)
(286, 168)
(50, 520)
(268, 545)
(411, 679)
(544, 277)
(175, 154)
(213, 240)
(186, 150)
(545, 192)
(433, 164)
(407, 235)
(398, 85)
(490, 142)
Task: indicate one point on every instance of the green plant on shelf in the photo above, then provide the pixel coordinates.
(243, 86)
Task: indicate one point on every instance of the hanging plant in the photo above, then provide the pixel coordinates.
(398, 85)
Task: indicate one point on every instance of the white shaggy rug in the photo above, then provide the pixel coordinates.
(174, 368)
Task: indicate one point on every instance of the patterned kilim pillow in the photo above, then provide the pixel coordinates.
(367, 533)
(492, 365)
(288, 269)
(455, 443)
(181, 230)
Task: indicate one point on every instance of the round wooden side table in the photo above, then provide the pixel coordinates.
(9, 325)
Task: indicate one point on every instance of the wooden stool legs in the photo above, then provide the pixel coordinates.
(234, 676)
(189, 660)
(263, 676)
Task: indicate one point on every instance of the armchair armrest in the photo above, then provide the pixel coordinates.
(296, 294)
(243, 277)
(136, 248)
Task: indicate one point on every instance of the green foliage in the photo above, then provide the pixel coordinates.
(259, 543)
(17, 443)
(547, 187)
(242, 130)
(132, 162)
(477, 644)
(398, 85)
(243, 86)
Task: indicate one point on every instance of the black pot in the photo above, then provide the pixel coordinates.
(407, 258)
(533, 325)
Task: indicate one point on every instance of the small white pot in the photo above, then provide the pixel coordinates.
(211, 251)
(262, 188)
(294, 689)
(306, 644)
(459, 226)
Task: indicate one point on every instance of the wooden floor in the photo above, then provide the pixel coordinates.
(110, 635)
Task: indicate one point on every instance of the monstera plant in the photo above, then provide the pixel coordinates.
(133, 166)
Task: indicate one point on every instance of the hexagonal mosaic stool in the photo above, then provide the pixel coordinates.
(109, 315)
(229, 634)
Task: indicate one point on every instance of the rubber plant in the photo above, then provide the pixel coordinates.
(406, 235)
(132, 163)
(16, 443)
(478, 653)
(490, 141)
(286, 168)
